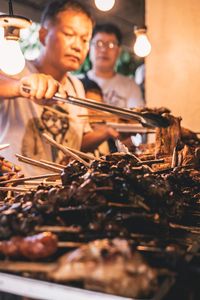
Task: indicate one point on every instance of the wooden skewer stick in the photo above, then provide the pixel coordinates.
(185, 167)
(19, 180)
(150, 162)
(193, 229)
(4, 146)
(83, 154)
(38, 163)
(26, 266)
(13, 189)
(36, 183)
(51, 163)
(115, 204)
(65, 150)
(57, 229)
(174, 162)
(69, 244)
(122, 148)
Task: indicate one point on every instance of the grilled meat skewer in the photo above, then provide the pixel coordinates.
(33, 247)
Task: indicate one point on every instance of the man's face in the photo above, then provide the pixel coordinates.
(104, 51)
(67, 40)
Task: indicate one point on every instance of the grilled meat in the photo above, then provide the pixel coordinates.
(109, 266)
(32, 247)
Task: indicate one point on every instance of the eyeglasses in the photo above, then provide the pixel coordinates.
(108, 45)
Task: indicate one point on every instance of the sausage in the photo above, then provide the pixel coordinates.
(32, 247)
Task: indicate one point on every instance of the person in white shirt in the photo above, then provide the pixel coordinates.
(66, 30)
(118, 90)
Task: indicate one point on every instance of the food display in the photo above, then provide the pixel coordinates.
(122, 224)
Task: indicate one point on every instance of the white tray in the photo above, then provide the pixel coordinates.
(44, 290)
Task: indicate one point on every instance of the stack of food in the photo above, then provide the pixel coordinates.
(122, 212)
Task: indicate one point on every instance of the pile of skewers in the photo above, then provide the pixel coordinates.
(112, 208)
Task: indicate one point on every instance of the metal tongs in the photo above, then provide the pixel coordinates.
(147, 119)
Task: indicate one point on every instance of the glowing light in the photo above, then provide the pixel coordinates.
(104, 5)
(11, 59)
(142, 46)
(1, 34)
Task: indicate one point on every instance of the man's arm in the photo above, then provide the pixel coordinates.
(91, 140)
(9, 87)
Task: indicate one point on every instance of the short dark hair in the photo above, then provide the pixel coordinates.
(110, 29)
(90, 85)
(54, 7)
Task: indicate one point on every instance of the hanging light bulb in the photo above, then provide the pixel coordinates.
(142, 46)
(11, 59)
(15, 61)
(1, 35)
(104, 5)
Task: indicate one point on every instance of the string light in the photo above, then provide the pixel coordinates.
(12, 60)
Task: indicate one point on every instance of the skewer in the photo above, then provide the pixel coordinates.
(36, 183)
(38, 163)
(51, 163)
(174, 162)
(19, 180)
(83, 154)
(144, 205)
(189, 166)
(64, 149)
(26, 266)
(180, 159)
(149, 248)
(79, 153)
(151, 162)
(115, 204)
(124, 205)
(3, 146)
(69, 244)
(57, 229)
(13, 189)
(193, 229)
(122, 148)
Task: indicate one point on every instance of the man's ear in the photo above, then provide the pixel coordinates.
(42, 35)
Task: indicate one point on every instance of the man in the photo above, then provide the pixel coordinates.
(118, 90)
(66, 29)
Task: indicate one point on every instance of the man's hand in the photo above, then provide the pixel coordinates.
(39, 87)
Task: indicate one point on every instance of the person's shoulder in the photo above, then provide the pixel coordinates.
(74, 78)
(78, 84)
(76, 81)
